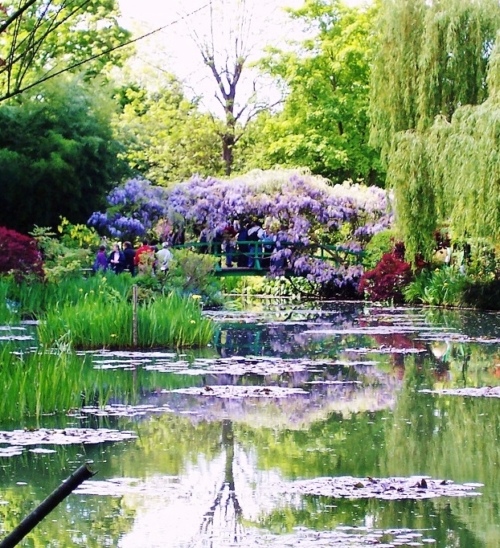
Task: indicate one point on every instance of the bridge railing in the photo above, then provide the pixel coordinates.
(259, 252)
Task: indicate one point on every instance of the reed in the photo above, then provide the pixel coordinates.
(98, 321)
(37, 383)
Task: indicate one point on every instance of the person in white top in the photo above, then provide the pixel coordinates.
(164, 256)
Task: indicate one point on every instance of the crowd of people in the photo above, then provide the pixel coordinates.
(127, 259)
(246, 244)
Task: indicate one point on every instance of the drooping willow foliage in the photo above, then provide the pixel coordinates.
(435, 113)
(431, 58)
(450, 174)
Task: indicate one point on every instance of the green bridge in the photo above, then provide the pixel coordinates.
(261, 256)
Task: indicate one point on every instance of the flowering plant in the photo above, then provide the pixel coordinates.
(19, 254)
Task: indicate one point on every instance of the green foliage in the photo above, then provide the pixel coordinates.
(380, 244)
(66, 256)
(43, 38)
(191, 273)
(482, 294)
(441, 287)
(431, 58)
(432, 119)
(409, 173)
(9, 310)
(167, 138)
(57, 155)
(324, 122)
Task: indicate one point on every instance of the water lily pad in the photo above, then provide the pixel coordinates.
(483, 392)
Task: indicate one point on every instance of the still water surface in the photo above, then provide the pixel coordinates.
(209, 471)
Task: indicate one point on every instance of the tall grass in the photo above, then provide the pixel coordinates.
(98, 321)
(36, 297)
(9, 310)
(41, 383)
(38, 383)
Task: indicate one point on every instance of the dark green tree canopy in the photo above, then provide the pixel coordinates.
(57, 155)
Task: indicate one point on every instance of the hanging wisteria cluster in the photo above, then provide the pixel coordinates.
(294, 207)
(134, 209)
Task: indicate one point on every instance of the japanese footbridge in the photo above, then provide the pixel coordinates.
(261, 257)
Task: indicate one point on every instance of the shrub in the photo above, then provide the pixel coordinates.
(19, 254)
(481, 294)
(440, 287)
(387, 280)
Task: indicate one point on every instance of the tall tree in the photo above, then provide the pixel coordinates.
(43, 38)
(57, 154)
(431, 58)
(324, 122)
(226, 49)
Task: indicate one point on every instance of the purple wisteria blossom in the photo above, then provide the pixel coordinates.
(299, 211)
(133, 209)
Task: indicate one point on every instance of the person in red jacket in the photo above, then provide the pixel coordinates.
(144, 257)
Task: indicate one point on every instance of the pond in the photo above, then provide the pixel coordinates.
(235, 445)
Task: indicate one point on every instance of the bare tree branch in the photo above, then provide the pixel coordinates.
(48, 76)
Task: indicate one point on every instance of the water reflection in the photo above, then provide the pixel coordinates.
(207, 470)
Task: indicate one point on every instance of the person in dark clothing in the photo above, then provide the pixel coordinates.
(129, 254)
(242, 257)
(116, 259)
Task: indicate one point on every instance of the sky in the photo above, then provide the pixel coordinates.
(173, 49)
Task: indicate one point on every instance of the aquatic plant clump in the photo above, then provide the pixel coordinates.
(171, 321)
(393, 488)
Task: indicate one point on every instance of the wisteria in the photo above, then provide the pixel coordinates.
(296, 208)
(134, 209)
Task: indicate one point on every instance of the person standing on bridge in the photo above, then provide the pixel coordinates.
(228, 245)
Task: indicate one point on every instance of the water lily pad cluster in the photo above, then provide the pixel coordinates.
(66, 436)
(392, 488)
(233, 392)
(482, 392)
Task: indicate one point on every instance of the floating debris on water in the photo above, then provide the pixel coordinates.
(393, 488)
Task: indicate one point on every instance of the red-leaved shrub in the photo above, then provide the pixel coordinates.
(19, 254)
(387, 280)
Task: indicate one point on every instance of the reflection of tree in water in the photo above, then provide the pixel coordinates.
(226, 506)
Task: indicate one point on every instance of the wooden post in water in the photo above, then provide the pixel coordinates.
(32, 520)
(134, 316)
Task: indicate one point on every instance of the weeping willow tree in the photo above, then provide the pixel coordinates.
(434, 114)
